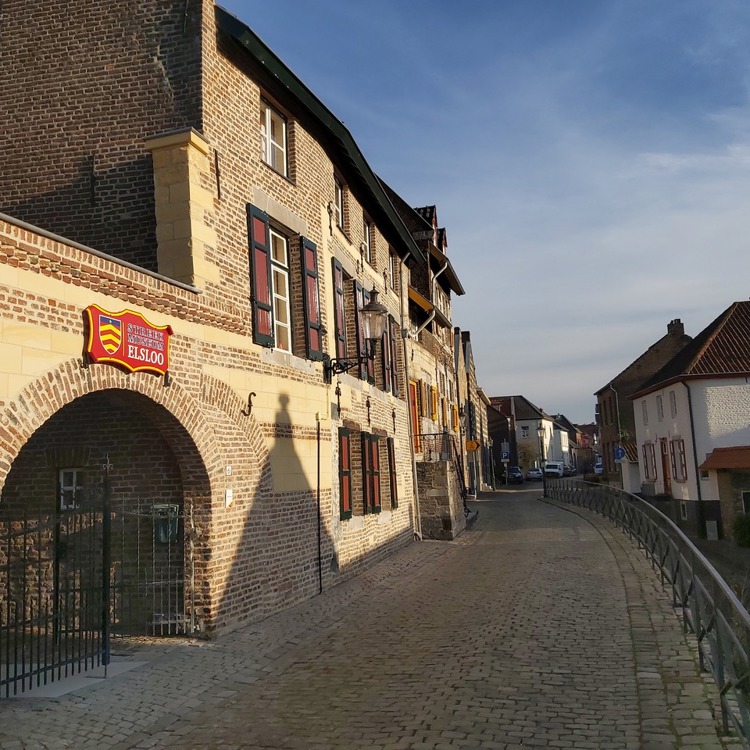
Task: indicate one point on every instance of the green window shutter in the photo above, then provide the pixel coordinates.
(345, 474)
(339, 309)
(366, 473)
(359, 293)
(311, 291)
(260, 276)
(392, 471)
(394, 359)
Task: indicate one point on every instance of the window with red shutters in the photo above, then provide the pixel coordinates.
(313, 326)
(260, 274)
(345, 474)
(339, 309)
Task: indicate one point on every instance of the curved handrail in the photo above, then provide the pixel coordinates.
(711, 611)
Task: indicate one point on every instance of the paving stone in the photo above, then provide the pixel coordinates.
(538, 627)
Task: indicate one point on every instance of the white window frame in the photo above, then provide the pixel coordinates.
(70, 487)
(660, 408)
(644, 407)
(338, 203)
(282, 318)
(524, 431)
(392, 270)
(673, 403)
(273, 150)
(367, 244)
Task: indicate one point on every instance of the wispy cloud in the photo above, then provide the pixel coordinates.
(591, 162)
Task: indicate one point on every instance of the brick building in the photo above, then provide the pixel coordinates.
(614, 409)
(168, 184)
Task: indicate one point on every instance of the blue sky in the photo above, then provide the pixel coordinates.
(589, 159)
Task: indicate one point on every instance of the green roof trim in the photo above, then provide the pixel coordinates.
(283, 84)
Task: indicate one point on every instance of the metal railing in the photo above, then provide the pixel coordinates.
(710, 609)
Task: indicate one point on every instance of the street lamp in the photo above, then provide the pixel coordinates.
(540, 431)
(374, 318)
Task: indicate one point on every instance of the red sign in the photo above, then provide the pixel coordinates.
(128, 339)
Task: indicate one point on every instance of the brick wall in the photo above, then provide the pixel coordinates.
(84, 82)
(256, 548)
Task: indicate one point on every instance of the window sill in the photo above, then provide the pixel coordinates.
(277, 173)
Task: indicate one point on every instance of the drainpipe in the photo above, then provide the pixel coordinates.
(701, 510)
(412, 426)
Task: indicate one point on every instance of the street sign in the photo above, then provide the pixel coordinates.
(619, 454)
(505, 456)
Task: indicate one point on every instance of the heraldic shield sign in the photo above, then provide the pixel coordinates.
(126, 338)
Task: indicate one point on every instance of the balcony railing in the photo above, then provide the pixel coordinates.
(709, 608)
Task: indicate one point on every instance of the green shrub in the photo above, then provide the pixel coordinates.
(741, 530)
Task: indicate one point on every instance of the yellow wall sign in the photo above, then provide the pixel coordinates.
(472, 445)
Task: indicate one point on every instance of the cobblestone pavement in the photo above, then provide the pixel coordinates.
(539, 627)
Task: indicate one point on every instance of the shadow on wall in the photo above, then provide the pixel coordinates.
(109, 210)
(286, 553)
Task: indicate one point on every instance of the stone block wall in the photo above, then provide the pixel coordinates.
(440, 505)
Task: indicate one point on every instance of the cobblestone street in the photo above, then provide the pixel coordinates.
(539, 627)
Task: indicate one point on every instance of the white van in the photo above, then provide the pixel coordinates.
(553, 469)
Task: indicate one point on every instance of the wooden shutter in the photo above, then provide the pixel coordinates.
(345, 474)
(366, 473)
(370, 364)
(414, 407)
(359, 294)
(434, 402)
(311, 290)
(394, 359)
(392, 471)
(339, 309)
(375, 471)
(386, 346)
(260, 276)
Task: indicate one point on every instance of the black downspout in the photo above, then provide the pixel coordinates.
(320, 540)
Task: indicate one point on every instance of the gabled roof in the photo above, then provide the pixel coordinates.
(428, 213)
(736, 457)
(422, 233)
(281, 83)
(518, 406)
(722, 349)
(640, 370)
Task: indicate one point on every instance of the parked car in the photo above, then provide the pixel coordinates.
(553, 469)
(534, 475)
(569, 471)
(598, 469)
(515, 475)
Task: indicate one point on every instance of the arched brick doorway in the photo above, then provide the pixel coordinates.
(111, 480)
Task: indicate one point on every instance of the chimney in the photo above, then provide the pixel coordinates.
(675, 327)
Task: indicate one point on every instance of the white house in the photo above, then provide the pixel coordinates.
(698, 403)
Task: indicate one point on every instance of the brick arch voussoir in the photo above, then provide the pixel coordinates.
(45, 396)
(220, 395)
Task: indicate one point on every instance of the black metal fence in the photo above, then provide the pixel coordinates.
(709, 608)
(74, 575)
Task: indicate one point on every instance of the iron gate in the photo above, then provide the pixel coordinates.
(85, 568)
